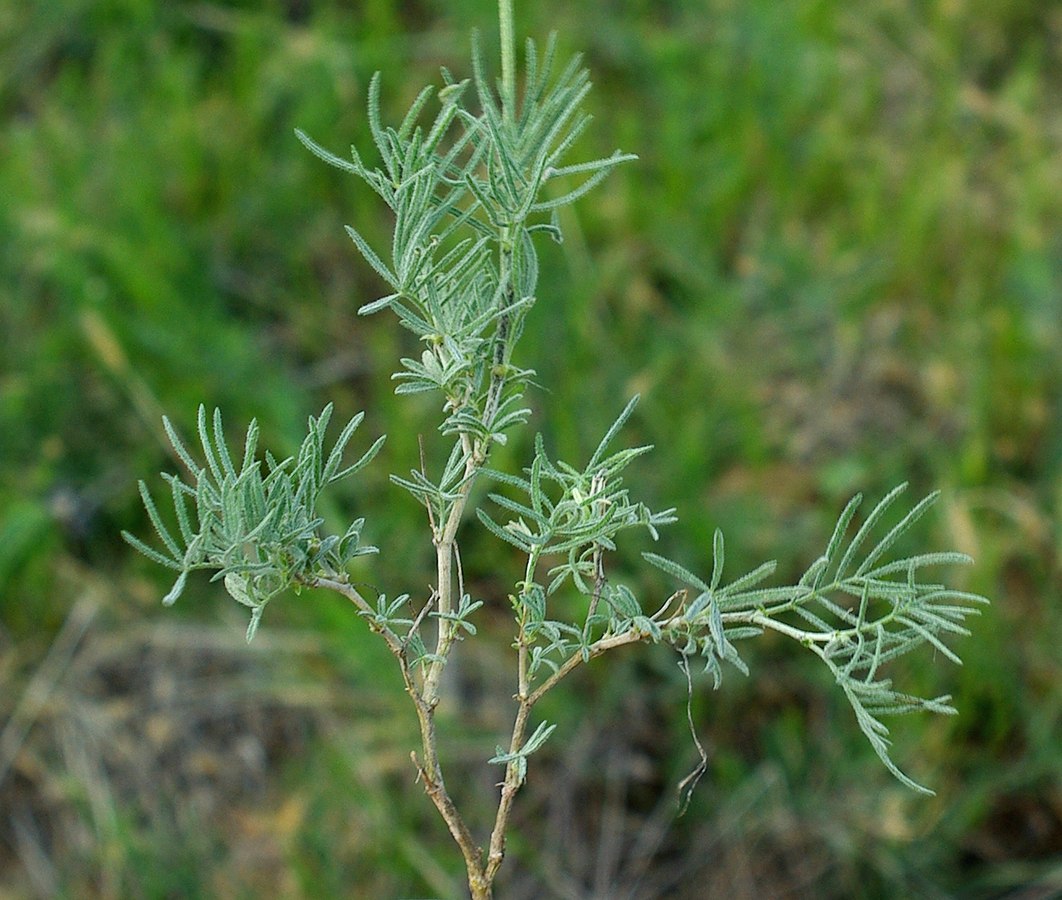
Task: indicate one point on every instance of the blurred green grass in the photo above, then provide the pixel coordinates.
(837, 266)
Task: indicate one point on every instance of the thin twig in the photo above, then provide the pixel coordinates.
(418, 620)
(689, 783)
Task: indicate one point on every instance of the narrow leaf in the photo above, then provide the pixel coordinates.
(156, 521)
(867, 527)
(613, 431)
(330, 158)
(674, 569)
(718, 556)
(371, 258)
(886, 542)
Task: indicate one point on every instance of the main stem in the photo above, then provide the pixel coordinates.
(444, 560)
(508, 57)
(481, 873)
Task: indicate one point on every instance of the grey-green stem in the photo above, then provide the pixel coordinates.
(508, 56)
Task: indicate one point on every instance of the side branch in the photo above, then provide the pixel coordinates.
(599, 647)
(429, 771)
(513, 773)
(509, 789)
(394, 642)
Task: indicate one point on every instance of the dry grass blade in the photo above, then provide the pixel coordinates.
(43, 682)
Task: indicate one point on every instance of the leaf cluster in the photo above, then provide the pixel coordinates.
(469, 188)
(519, 757)
(852, 608)
(577, 515)
(257, 524)
(392, 616)
(587, 509)
(466, 192)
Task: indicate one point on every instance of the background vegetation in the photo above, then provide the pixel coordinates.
(837, 266)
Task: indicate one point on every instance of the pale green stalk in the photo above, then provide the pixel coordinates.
(508, 56)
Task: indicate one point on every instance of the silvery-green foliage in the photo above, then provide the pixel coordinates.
(519, 757)
(469, 189)
(257, 525)
(855, 612)
(572, 518)
(468, 194)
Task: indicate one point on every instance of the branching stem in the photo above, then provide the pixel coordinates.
(445, 552)
(463, 269)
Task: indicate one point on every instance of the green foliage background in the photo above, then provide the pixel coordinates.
(837, 266)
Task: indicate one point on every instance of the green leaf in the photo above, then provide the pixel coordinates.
(866, 528)
(510, 536)
(745, 581)
(156, 521)
(613, 431)
(718, 558)
(415, 110)
(624, 602)
(208, 450)
(330, 158)
(521, 510)
(176, 590)
(369, 308)
(179, 447)
(840, 529)
(372, 259)
(886, 542)
(178, 493)
(675, 570)
(151, 553)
